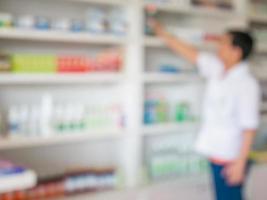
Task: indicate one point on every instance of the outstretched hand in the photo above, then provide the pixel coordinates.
(156, 26)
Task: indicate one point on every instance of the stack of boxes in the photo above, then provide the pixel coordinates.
(110, 61)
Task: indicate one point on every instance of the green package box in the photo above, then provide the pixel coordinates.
(30, 63)
(182, 112)
(162, 112)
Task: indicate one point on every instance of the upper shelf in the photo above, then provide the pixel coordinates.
(193, 10)
(57, 36)
(170, 78)
(261, 48)
(26, 142)
(264, 106)
(151, 41)
(99, 78)
(258, 18)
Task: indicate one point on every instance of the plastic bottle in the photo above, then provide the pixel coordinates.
(116, 22)
(24, 119)
(25, 22)
(13, 121)
(182, 112)
(61, 24)
(36, 120)
(96, 20)
(46, 115)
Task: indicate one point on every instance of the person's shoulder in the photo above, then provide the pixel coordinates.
(211, 57)
(209, 63)
(249, 83)
(251, 79)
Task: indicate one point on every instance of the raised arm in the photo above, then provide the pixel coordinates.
(180, 47)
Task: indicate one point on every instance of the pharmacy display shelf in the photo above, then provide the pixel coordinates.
(151, 41)
(34, 141)
(57, 36)
(158, 77)
(164, 128)
(192, 10)
(258, 18)
(79, 78)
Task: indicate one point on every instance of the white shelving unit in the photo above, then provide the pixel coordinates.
(133, 81)
(85, 145)
(153, 42)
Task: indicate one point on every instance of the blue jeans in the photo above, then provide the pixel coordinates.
(223, 191)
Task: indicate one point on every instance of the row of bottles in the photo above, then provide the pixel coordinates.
(48, 118)
(174, 155)
(159, 110)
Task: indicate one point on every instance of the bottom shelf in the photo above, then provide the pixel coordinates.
(112, 195)
(178, 188)
(66, 185)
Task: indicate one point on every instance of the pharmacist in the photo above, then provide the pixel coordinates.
(231, 107)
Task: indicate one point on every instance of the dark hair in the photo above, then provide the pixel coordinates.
(244, 41)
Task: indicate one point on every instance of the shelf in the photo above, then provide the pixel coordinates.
(213, 12)
(154, 42)
(261, 48)
(258, 18)
(57, 36)
(93, 78)
(169, 128)
(26, 142)
(151, 41)
(264, 106)
(170, 8)
(170, 78)
(193, 10)
(198, 179)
